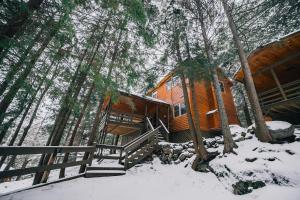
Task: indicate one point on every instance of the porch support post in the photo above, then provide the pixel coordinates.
(168, 118)
(156, 115)
(278, 84)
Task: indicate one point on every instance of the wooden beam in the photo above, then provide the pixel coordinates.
(278, 83)
(278, 63)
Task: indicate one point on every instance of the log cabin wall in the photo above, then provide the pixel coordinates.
(206, 101)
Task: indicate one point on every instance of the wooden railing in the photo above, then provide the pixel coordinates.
(274, 95)
(164, 131)
(100, 152)
(115, 116)
(130, 148)
(19, 150)
(126, 150)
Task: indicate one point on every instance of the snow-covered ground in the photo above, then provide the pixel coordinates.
(153, 180)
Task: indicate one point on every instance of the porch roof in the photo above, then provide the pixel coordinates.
(282, 56)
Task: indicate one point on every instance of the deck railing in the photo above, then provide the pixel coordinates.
(123, 152)
(19, 150)
(164, 131)
(274, 95)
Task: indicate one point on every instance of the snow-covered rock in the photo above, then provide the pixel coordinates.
(280, 129)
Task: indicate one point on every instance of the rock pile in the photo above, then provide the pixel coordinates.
(175, 153)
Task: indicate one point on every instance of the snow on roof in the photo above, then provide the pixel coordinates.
(144, 97)
(211, 112)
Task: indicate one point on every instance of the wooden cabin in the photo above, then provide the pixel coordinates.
(169, 90)
(275, 70)
(127, 118)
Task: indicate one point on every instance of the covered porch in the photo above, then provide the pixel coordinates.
(275, 69)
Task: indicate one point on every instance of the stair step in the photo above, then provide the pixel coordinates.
(104, 173)
(93, 168)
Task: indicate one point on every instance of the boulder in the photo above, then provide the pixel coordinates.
(279, 130)
(177, 149)
(183, 156)
(244, 187)
(191, 150)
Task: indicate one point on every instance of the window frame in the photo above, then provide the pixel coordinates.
(179, 105)
(175, 81)
(169, 84)
(154, 95)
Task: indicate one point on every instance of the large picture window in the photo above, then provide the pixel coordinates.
(179, 109)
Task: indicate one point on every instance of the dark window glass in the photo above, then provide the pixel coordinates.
(154, 95)
(176, 110)
(176, 81)
(182, 109)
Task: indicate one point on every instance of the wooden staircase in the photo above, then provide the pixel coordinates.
(101, 171)
(128, 155)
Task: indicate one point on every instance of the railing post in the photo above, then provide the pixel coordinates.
(120, 159)
(126, 160)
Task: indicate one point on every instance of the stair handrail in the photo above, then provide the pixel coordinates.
(141, 139)
(166, 132)
(148, 122)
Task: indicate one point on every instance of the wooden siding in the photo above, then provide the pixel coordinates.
(206, 101)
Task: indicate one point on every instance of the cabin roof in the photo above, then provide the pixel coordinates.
(283, 54)
(144, 97)
(162, 81)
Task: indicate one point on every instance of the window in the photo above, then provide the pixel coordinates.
(182, 109)
(169, 84)
(222, 86)
(175, 81)
(154, 95)
(179, 109)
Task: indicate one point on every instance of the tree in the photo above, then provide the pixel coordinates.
(228, 141)
(261, 132)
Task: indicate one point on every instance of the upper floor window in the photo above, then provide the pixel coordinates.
(169, 84)
(176, 110)
(222, 86)
(154, 95)
(179, 109)
(175, 81)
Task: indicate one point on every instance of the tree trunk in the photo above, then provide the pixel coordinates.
(203, 153)
(17, 22)
(261, 132)
(74, 132)
(8, 98)
(97, 119)
(26, 129)
(67, 106)
(17, 67)
(228, 141)
(16, 132)
(186, 97)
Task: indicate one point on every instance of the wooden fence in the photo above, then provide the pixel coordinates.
(19, 150)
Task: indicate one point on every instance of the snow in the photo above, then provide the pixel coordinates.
(276, 125)
(211, 112)
(145, 97)
(153, 180)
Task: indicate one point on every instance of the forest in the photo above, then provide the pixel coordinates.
(60, 60)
